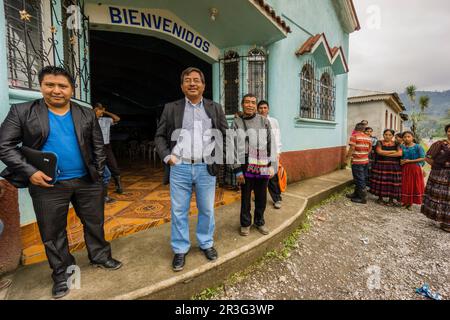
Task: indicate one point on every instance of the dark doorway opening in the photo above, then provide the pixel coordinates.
(134, 76)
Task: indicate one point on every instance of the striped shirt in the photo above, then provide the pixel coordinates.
(362, 144)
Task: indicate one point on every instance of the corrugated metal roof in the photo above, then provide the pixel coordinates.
(364, 96)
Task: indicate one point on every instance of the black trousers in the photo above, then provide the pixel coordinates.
(111, 161)
(259, 187)
(51, 206)
(274, 189)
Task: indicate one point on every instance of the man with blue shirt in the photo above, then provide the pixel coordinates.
(186, 163)
(55, 124)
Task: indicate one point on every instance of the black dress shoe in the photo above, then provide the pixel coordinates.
(110, 264)
(210, 253)
(179, 259)
(351, 195)
(359, 200)
(60, 289)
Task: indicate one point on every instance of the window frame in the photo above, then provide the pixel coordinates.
(327, 96)
(257, 57)
(317, 94)
(24, 44)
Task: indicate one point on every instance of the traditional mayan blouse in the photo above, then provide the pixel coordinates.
(413, 153)
(440, 154)
(388, 146)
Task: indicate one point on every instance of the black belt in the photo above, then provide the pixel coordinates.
(192, 161)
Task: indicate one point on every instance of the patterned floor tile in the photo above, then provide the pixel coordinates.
(146, 185)
(144, 204)
(129, 195)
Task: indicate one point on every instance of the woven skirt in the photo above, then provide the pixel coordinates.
(436, 201)
(386, 179)
(413, 185)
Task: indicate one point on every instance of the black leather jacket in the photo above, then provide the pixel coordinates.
(27, 123)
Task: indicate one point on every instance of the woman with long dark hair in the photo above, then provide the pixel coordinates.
(436, 202)
(413, 158)
(386, 178)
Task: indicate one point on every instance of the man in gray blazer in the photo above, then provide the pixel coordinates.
(184, 139)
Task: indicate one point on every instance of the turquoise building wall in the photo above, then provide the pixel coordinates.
(284, 78)
(306, 18)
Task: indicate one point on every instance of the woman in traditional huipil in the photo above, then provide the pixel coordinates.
(413, 158)
(386, 179)
(436, 202)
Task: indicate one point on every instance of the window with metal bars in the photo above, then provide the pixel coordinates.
(30, 47)
(70, 38)
(231, 64)
(327, 100)
(317, 95)
(308, 92)
(24, 42)
(75, 41)
(257, 73)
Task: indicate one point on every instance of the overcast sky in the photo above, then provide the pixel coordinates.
(408, 42)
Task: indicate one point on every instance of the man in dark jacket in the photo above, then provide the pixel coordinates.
(185, 133)
(55, 124)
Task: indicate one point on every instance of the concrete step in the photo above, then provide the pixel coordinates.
(147, 255)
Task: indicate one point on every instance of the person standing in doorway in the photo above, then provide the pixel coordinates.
(107, 119)
(274, 185)
(106, 180)
(55, 124)
(360, 148)
(253, 145)
(183, 139)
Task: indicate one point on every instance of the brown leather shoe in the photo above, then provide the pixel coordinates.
(263, 229)
(5, 283)
(245, 231)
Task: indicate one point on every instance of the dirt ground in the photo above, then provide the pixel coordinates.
(356, 252)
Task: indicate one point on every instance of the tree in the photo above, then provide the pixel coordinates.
(411, 93)
(417, 117)
(424, 102)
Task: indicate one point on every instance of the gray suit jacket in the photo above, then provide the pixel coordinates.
(172, 119)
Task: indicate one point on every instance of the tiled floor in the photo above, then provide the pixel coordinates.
(144, 204)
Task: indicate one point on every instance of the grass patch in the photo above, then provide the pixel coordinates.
(287, 245)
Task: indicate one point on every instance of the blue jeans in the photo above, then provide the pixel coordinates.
(360, 174)
(106, 176)
(183, 179)
(1, 226)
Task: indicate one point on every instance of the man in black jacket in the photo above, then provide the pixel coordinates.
(186, 132)
(55, 124)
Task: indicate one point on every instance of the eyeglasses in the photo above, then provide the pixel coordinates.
(195, 81)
